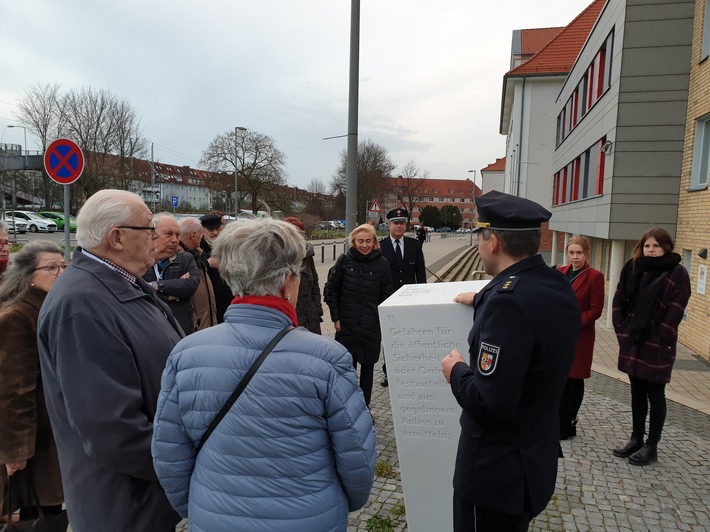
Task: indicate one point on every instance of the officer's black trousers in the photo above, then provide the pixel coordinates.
(469, 518)
(571, 401)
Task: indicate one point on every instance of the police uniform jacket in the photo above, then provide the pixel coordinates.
(522, 342)
(409, 270)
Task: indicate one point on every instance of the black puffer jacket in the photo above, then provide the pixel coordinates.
(356, 286)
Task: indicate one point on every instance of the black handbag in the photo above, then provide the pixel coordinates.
(44, 523)
(242, 384)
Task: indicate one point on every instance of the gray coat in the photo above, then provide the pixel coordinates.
(103, 344)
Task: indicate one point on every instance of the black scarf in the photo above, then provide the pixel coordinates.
(640, 297)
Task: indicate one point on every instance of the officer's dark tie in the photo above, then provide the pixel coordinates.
(398, 250)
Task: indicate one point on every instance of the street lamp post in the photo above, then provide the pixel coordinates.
(25, 146)
(14, 180)
(473, 202)
(237, 129)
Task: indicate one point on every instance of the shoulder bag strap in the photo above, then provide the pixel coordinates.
(243, 384)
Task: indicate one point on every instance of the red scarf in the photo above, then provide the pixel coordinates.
(273, 302)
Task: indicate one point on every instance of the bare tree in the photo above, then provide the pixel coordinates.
(129, 142)
(261, 165)
(373, 167)
(38, 110)
(88, 117)
(408, 184)
(316, 204)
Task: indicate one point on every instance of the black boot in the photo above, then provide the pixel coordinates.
(646, 455)
(633, 445)
(568, 430)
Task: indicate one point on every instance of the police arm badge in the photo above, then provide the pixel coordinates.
(488, 355)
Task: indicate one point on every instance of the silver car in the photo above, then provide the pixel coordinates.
(15, 225)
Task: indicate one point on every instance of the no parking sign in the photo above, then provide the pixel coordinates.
(64, 161)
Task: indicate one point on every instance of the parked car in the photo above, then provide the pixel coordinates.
(34, 221)
(14, 225)
(58, 218)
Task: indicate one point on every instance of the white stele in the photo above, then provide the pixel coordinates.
(421, 325)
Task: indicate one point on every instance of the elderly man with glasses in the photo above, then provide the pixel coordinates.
(104, 337)
(174, 276)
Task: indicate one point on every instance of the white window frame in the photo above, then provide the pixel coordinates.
(701, 154)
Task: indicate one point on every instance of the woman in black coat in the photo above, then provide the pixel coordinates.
(648, 306)
(357, 284)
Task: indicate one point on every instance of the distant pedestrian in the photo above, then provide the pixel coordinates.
(588, 286)
(421, 234)
(648, 306)
(296, 450)
(104, 337)
(309, 308)
(358, 282)
(27, 447)
(521, 349)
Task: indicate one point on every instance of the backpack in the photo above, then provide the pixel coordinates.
(328, 287)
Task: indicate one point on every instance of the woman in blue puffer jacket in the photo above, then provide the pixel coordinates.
(297, 449)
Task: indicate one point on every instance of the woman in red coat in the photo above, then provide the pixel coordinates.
(588, 286)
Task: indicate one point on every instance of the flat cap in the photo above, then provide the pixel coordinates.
(398, 215)
(211, 221)
(503, 212)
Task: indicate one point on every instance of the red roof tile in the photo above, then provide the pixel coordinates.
(497, 166)
(558, 55)
(532, 40)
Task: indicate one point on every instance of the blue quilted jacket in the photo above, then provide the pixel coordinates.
(295, 452)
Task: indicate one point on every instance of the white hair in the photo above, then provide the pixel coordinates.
(4, 226)
(188, 225)
(256, 256)
(103, 211)
(161, 215)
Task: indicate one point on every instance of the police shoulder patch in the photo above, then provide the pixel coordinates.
(509, 284)
(488, 355)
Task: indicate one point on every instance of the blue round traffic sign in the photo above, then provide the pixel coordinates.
(64, 161)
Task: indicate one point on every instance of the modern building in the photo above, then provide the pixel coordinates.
(530, 90)
(619, 130)
(693, 227)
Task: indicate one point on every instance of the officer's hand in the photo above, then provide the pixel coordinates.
(448, 362)
(337, 325)
(465, 298)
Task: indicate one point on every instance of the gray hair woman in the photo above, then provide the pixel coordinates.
(296, 451)
(27, 447)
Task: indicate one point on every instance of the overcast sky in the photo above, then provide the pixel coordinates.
(430, 72)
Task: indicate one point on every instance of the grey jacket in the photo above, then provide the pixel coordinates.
(103, 344)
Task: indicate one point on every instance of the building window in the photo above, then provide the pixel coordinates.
(600, 167)
(431, 200)
(701, 154)
(441, 200)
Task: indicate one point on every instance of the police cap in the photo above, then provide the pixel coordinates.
(503, 212)
(211, 221)
(398, 215)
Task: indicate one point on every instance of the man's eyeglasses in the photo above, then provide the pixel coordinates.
(138, 228)
(52, 269)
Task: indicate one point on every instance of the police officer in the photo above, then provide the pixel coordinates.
(404, 255)
(521, 345)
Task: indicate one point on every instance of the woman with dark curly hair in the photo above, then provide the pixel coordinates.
(648, 305)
